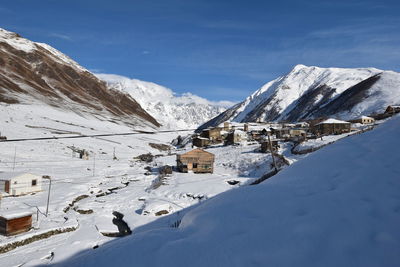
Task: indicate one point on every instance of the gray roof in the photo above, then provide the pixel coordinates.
(10, 175)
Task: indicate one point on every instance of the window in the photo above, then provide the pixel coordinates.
(195, 165)
(34, 182)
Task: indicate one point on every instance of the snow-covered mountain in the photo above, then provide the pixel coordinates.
(36, 73)
(187, 111)
(310, 92)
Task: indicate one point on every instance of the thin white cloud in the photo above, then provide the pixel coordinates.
(61, 36)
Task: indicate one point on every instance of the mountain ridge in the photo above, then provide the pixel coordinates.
(310, 92)
(186, 111)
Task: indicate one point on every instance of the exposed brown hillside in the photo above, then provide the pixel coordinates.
(40, 74)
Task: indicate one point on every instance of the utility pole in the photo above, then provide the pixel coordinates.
(15, 156)
(94, 163)
(114, 157)
(48, 196)
(272, 153)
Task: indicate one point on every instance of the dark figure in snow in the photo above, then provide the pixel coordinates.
(123, 227)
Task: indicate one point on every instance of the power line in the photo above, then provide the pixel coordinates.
(137, 132)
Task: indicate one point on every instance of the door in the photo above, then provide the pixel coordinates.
(7, 187)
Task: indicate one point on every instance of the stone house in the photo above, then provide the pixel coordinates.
(213, 134)
(235, 137)
(331, 126)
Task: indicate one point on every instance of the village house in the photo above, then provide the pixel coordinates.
(15, 222)
(392, 109)
(331, 126)
(296, 132)
(265, 146)
(257, 135)
(20, 183)
(214, 134)
(363, 120)
(235, 137)
(201, 141)
(197, 160)
(281, 133)
(297, 135)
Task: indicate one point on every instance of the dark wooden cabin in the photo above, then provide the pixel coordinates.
(201, 142)
(12, 223)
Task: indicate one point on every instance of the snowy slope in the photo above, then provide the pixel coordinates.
(187, 111)
(338, 207)
(309, 92)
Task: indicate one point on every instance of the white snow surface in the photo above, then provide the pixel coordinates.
(186, 111)
(339, 206)
(330, 120)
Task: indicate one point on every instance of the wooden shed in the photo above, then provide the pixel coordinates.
(197, 160)
(331, 126)
(14, 222)
(20, 183)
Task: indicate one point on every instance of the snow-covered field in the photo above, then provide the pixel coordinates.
(338, 207)
(101, 179)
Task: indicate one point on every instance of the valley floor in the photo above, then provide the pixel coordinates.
(101, 185)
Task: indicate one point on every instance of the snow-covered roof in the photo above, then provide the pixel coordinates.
(333, 121)
(10, 175)
(13, 214)
(365, 117)
(202, 138)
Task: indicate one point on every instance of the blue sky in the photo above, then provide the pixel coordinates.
(220, 50)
